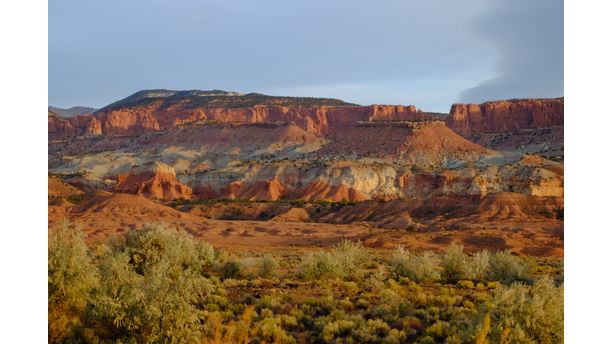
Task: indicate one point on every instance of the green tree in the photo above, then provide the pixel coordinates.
(71, 277)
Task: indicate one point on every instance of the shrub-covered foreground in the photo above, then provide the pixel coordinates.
(156, 285)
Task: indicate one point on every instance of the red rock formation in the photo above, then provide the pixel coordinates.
(505, 115)
(93, 127)
(320, 190)
(155, 117)
(274, 189)
(270, 190)
(63, 128)
(60, 128)
(154, 180)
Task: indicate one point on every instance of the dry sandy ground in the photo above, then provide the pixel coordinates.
(108, 215)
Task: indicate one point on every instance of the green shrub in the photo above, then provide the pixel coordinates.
(270, 331)
(206, 254)
(267, 266)
(454, 264)
(373, 331)
(465, 284)
(345, 260)
(221, 257)
(156, 244)
(320, 264)
(438, 330)
(337, 329)
(232, 269)
(417, 267)
(479, 265)
(506, 268)
(151, 288)
(158, 285)
(71, 276)
(526, 314)
(350, 287)
(351, 257)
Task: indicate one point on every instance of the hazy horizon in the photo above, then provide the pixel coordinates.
(429, 54)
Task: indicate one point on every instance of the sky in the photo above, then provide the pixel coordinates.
(427, 53)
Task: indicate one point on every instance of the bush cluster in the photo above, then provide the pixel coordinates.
(455, 265)
(500, 266)
(156, 285)
(418, 267)
(345, 260)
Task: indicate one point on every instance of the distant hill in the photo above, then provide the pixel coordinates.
(219, 99)
(73, 111)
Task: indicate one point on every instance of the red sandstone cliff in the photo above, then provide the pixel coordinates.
(505, 115)
(160, 113)
(63, 128)
(154, 117)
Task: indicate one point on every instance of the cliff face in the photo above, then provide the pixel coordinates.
(60, 128)
(505, 116)
(155, 111)
(158, 116)
(63, 128)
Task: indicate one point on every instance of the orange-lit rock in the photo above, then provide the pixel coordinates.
(153, 180)
(505, 115)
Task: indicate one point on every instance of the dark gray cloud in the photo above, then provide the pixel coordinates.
(528, 35)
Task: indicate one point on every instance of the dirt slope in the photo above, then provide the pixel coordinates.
(59, 188)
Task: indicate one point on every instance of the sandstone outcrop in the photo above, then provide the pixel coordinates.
(532, 126)
(316, 120)
(505, 115)
(153, 180)
(352, 181)
(60, 128)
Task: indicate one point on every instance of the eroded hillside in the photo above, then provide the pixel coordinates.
(393, 173)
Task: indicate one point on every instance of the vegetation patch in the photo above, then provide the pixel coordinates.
(157, 285)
